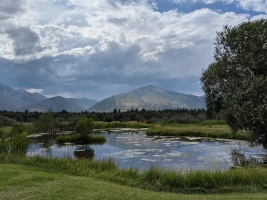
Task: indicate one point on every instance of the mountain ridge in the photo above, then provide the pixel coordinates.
(148, 97)
(21, 100)
(59, 103)
(12, 99)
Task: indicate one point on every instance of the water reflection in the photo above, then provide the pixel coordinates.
(135, 149)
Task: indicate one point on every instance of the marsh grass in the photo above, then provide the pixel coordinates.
(212, 123)
(5, 131)
(17, 145)
(235, 180)
(76, 138)
(13, 140)
(96, 139)
(193, 130)
(6, 128)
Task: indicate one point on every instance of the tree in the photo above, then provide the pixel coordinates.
(84, 127)
(236, 82)
(45, 123)
(108, 118)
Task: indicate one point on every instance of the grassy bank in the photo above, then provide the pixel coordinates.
(208, 128)
(27, 182)
(156, 179)
(195, 130)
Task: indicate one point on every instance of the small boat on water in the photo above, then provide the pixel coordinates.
(84, 151)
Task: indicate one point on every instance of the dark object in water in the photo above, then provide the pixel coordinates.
(84, 151)
(240, 159)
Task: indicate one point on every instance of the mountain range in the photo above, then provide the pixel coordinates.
(58, 103)
(21, 100)
(150, 98)
(12, 100)
(147, 97)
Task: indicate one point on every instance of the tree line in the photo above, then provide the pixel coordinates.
(143, 115)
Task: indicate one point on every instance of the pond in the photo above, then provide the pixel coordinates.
(135, 149)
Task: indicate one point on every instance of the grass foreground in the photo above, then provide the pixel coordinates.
(239, 180)
(28, 182)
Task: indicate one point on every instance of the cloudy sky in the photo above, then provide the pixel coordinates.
(98, 48)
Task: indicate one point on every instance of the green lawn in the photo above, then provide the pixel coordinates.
(26, 182)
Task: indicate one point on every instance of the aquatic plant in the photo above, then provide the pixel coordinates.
(76, 138)
(196, 131)
(17, 144)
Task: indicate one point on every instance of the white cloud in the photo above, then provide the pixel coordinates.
(99, 23)
(34, 90)
(76, 46)
(11, 7)
(254, 5)
(203, 1)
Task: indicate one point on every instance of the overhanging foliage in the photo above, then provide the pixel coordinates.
(236, 83)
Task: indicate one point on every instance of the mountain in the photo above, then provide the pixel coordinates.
(147, 97)
(86, 103)
(59, 103)
(150, 98)
(12, 100)
(21, 100)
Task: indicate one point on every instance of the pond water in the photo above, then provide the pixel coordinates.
(135, 149)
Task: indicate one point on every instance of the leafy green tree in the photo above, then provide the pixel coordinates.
(45, 123)
(236, 83)
(84, 127)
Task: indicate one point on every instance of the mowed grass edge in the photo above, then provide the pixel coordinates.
(156, 179)
(28, 182)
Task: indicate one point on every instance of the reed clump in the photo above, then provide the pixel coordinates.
(76, 138)
(14, 140)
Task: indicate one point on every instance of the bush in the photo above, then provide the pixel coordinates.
(84, 127)
(17, 144)
(5, 121)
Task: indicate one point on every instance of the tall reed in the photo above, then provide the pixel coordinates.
(76, 138)
(17, 144)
